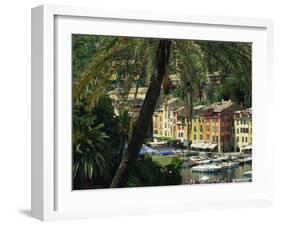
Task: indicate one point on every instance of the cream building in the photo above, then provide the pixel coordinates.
(135, 98)
(243, 130)
(166, 120)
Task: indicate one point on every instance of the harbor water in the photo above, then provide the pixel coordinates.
(223, 176)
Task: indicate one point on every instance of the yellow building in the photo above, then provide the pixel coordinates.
(180, 122)
(243, 130)
(197, 125)
(158, 117)
(197, 130)
(165, 120)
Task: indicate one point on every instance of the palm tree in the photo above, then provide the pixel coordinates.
(141, 126)
(125, 120)
(193, 55)
(191, 68)
(90, 157)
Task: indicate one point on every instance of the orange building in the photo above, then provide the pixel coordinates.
(217, 122)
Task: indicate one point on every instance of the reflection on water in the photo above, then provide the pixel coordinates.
(223, 176)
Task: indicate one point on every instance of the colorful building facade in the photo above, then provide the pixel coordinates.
(243, 130)
(169, 120)
(214, 125)
(219, 127)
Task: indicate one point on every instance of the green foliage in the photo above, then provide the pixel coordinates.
(148, 172)
(125, 122)
(230, 89)
(163, 138)
(177, 163)
(233, 61)
(112, 55)
(90, 156)
(210, 93)
(134, 182)
(83, 48)
(172, 175)
(97, 132)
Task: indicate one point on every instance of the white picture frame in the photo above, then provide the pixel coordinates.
(52, 197)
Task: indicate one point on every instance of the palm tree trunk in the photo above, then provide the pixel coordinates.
(141, 126)
(190, 111)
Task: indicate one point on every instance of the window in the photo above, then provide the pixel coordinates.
(246, 139)
(213, 139)
(242, 139)
(237, 138)
(194, 136)
(201, 129)
(194, 129)
(241, 130)
(201, 137)
(237, 131)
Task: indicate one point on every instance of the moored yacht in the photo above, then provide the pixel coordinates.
(206, 168)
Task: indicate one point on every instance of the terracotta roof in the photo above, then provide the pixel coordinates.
(219, 106)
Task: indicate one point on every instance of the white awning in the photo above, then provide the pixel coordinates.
(203, 145)
(249, 147)
(212, 146)
(198, 145)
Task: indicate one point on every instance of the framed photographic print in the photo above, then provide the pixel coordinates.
(134, 112)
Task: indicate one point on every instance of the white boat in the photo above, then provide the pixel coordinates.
(196, 158)
(245, 159)
(208, 168)
(204, 179)
(248, 159)
(204, 162)
(247, 174)
(242, 180)
(247, 177)
(229, 165)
